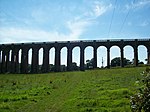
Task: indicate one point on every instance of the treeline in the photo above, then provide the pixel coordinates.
(115, 62)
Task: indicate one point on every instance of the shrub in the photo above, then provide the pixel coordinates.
(141, 100)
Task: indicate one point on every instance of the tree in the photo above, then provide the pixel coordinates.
(140, 102)
(63, 68)
(52, 67)
(116, 61)
(139, 62)
(89, 64)
(74, 66)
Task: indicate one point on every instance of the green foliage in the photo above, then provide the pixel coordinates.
(74, 66)
(141, 100)
(89, 64)
(116, 62)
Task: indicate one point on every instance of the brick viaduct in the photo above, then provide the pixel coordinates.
(7, 66)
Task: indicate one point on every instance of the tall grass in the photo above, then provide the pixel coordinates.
(93, 90)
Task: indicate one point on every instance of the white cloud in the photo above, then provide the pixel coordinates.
(76, 25)
(142, 3)
(13, 34)
(100, 9)
(25, 35)
(137, 5)
(96, 8)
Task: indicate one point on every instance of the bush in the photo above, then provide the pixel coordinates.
(141, 100)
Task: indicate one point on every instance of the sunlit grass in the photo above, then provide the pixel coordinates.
(95, 90)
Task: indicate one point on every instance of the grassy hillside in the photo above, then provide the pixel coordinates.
(95, 90)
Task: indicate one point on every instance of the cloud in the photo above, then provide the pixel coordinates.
(137, 5)
(100, 9)
(25, 35)
(142, 3)
(96, 9)
(13, 34)
(75, 25)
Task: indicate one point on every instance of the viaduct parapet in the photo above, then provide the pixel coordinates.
(12, 65)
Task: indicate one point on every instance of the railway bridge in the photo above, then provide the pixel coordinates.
(12, 65)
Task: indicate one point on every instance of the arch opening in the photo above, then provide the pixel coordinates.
(115, 56)
(76, 58)
(10, 56)
(19, 59)
(129, 55)
(29, 60)
(9, 61)
(101, 56)
(40, 59)
(142, 54)
(89, 59)
(63, 59)
(52, 59)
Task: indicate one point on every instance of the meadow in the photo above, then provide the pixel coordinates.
(105, 90)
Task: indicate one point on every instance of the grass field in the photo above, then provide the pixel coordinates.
(89, 91)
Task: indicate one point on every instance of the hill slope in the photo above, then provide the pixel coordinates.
(95, 90)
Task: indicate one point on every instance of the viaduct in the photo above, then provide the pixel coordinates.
(12, 65)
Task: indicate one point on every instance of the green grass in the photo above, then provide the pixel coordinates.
(89, 91)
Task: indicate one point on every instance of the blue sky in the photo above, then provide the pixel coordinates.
(61, 20)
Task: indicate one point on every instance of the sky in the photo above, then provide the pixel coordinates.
(67, 20)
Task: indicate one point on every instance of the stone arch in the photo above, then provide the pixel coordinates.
(52, 58)
(30, 56)
(102, 56)
(129, 53)
(29, 59)
(3, 64)
(88, 55)
(114, 52)
(9, 61)
(45, 65)
(142, 54)
(19, 60)
(10, 55)
(16, 60)
(63, 58)
(6, 60)
(40, 58)
(76, 57)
